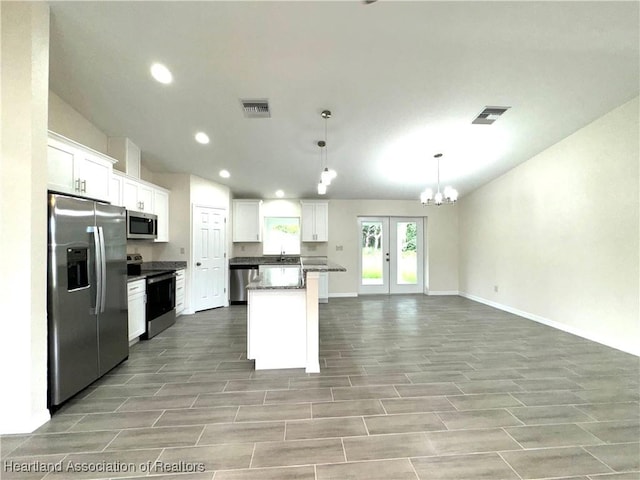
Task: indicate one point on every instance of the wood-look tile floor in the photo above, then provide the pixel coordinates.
(411, 387)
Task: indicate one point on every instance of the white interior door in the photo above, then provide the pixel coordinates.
(391, 255)
(208, 258)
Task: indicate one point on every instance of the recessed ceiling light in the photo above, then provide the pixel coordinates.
(224, 173)
(161, 73)
(279, 193)
(202, 137)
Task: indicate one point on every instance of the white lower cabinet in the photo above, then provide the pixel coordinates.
(180, 291)
(137, 301)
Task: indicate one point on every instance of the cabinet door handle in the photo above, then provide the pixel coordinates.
(77, 185)
(198, 264)
(84, 186)
(257, 236)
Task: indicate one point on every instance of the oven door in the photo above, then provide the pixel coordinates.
(161, 303)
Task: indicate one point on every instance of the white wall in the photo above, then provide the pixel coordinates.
(441, 240)
(24, 39)
(68, 122)
(559, 234)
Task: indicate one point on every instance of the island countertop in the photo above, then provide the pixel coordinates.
(320, 264)
(278, 278)
(288, 276)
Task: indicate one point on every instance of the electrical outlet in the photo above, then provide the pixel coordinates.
(338, 248)
(242, 248)
(182, 250)
(495, 288)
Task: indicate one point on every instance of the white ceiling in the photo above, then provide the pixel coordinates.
(404, 80)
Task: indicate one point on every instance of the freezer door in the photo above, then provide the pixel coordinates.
(71, 297)
(113, 325)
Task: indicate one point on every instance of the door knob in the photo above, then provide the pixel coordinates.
(198, 264)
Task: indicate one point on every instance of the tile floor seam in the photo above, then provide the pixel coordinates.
(158, 418)
(613, 470)
(204, 427)
(509, 465)
(344, 450)
(104, 449)
(587, 414)
(252, 453)
(413, 468)
(512, 438)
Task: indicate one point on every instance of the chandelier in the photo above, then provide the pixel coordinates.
(448, 195)
(327, 175)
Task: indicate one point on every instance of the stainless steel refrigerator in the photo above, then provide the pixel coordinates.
(86, 293)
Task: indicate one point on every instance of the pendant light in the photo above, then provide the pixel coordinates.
(448, 196)
(327, 175)
(322, 187)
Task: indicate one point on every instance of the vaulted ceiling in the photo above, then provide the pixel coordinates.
(404, 80)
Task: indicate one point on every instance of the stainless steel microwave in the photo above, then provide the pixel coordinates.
(142, 226)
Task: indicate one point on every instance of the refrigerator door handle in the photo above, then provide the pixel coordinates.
(98, 266)
(103, 261)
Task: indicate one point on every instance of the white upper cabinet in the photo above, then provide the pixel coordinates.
(247, 220)
(78, 170)
(137, 196)
(161, 209)
(142, 196)
(315, 221)
(116, 189)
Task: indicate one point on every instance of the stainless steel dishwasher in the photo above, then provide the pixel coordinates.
(239, 277)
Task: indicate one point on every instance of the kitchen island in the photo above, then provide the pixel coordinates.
(283, 314)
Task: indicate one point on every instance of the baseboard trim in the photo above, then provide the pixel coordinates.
(552, 323)
(442, 292)
(26, 425)
(343, 295)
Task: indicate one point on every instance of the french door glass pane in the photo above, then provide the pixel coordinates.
(406, 254)
(372, 258)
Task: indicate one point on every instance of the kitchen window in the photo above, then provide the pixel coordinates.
(281, 236)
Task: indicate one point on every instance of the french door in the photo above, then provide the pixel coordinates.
(391, 255)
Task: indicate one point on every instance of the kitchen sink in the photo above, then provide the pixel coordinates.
(283, 261)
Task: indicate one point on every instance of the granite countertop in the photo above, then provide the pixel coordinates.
(275, 277)
(154, 268)
(278, 278)
(265, 260)
(159, 265)
(320, 264)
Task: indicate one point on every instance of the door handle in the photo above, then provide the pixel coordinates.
(103, 259)
(198, 264)
(98, 268)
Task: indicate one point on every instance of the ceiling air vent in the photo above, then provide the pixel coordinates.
(256, 108)
(489, 115)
